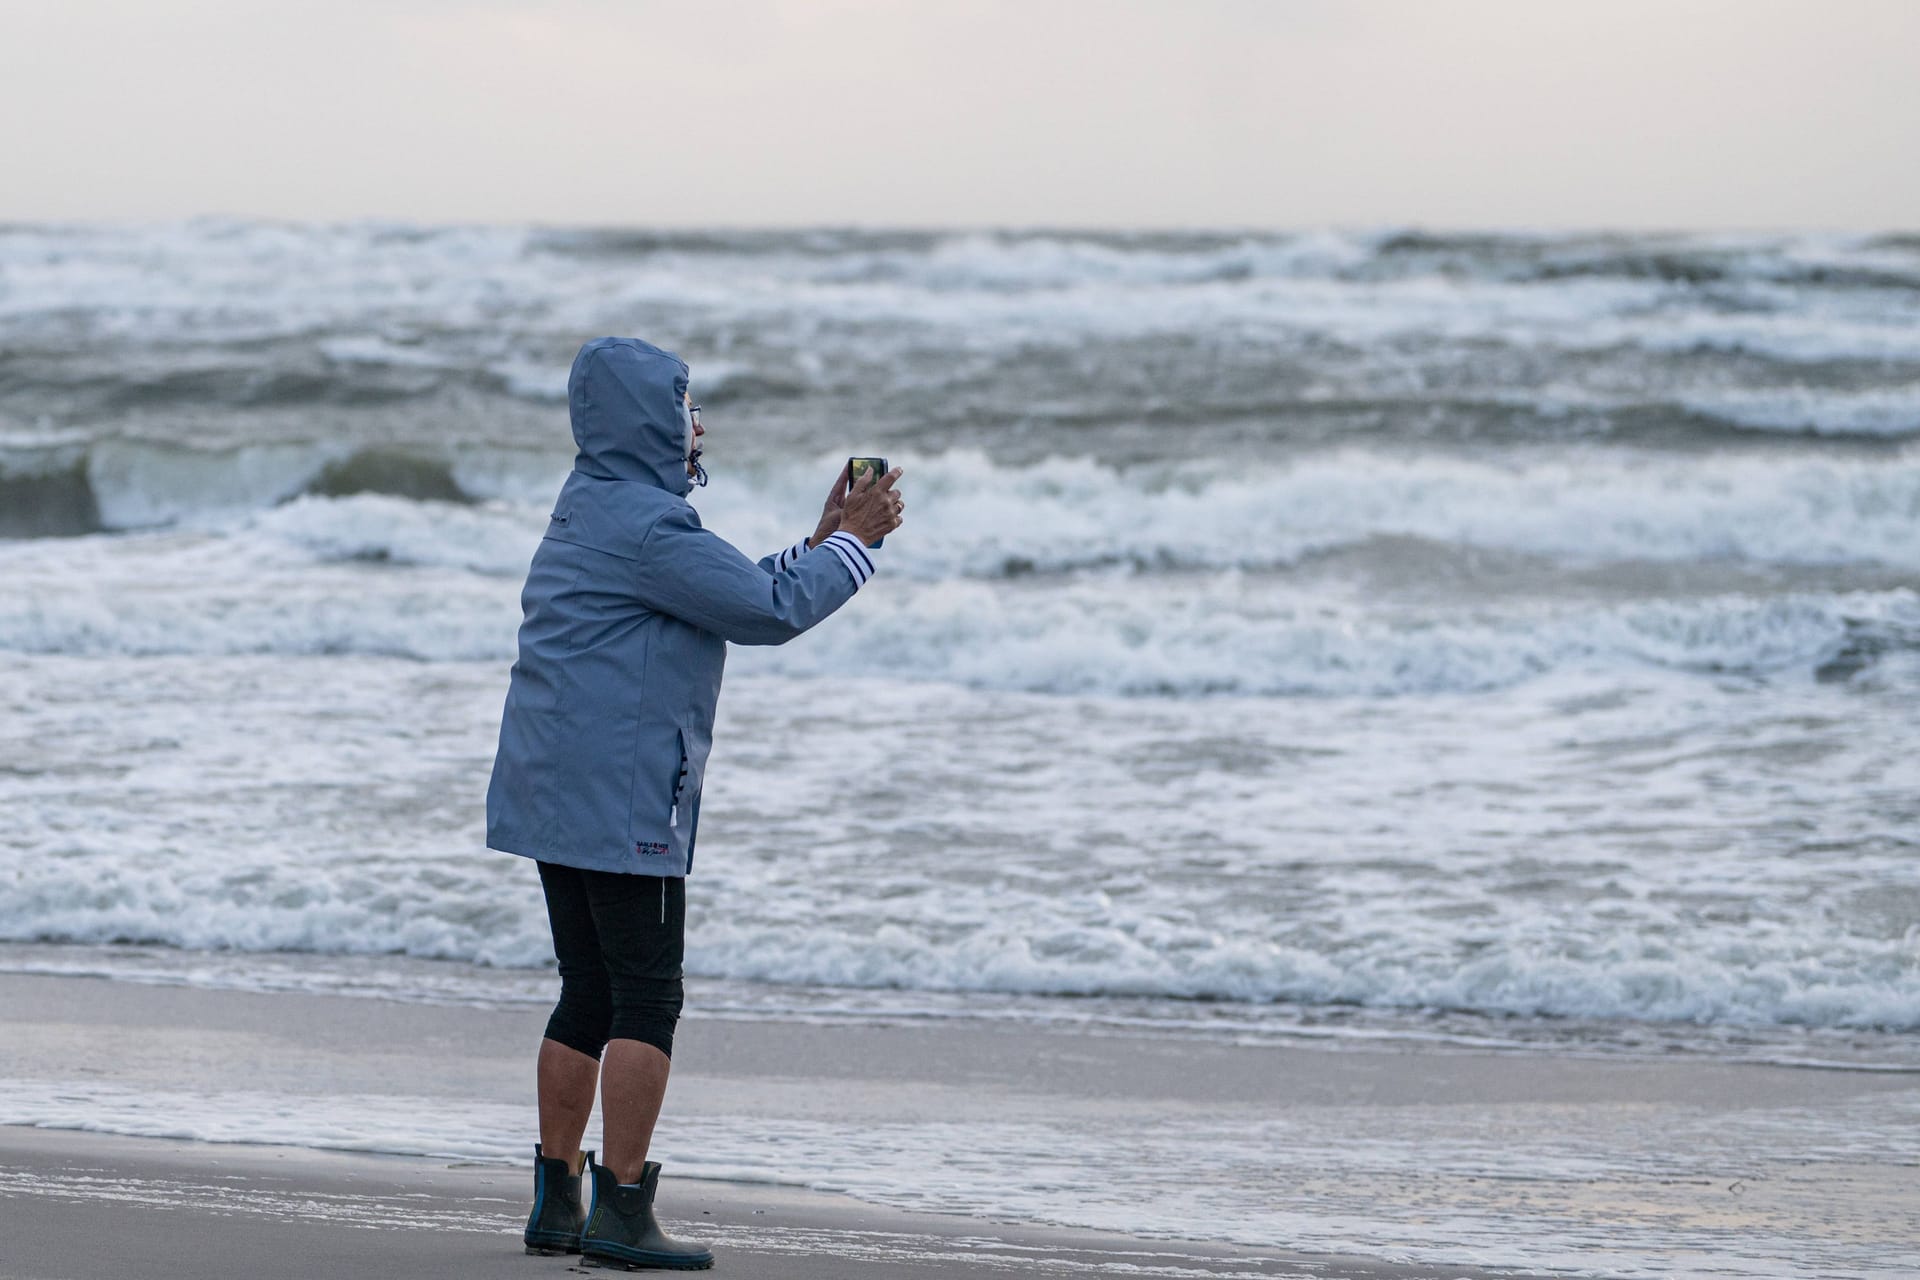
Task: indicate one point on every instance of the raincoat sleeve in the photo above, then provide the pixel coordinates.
(698, 577)
(781, 561)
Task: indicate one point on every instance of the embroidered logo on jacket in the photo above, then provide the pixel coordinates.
(648, 847)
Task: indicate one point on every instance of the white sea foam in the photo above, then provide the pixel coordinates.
(246, 281)
(995, 936)
(1587, 506)
(1072, 577)
(972, 516)
(300, 583)
(373, 349)
(1016, 844)
(1613, 730)
(1883, 412)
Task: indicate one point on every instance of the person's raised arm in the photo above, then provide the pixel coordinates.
(699, 577)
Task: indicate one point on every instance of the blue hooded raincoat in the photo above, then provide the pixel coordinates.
(627, 612)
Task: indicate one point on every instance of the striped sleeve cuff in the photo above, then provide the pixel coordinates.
(853, 553)
(784, 561)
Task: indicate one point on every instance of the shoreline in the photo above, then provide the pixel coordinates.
(1387, 1161)
(464, 984)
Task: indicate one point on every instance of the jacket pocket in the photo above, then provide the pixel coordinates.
(694, 744)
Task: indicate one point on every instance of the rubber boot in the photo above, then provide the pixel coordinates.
(622, 1231)
(558, 1217)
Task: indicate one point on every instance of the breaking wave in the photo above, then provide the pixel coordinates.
(1081, 578)
(994, 937)
(975, 517)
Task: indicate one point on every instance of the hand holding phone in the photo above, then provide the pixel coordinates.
(877, 507)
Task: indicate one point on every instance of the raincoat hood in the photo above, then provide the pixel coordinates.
(627, 399)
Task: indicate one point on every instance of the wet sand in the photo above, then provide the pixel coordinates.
(76, 1204)
(81, 1206)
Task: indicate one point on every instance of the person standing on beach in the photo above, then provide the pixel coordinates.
(627, 611)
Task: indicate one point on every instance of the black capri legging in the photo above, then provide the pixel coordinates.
(620, 940)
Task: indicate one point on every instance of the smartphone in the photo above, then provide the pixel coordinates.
(857, 467)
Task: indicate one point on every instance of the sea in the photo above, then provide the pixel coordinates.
(1498, 641)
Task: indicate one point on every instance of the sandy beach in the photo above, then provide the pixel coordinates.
(89, 1053)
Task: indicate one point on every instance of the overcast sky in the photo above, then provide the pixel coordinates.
(1447, 113)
